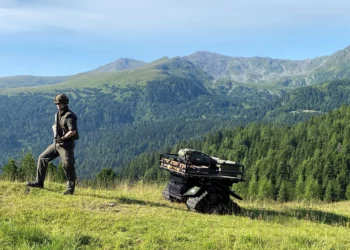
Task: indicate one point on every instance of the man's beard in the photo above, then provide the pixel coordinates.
(62, 110)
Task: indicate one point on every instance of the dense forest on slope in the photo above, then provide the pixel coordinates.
(118, 123)
(302, 103)
(309, 160)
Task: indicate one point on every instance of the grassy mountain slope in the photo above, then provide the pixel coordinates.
(161, 69)
(119, 65)
(24, 81)
(137, 217)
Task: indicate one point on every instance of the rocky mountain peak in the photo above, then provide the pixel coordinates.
(119, 65)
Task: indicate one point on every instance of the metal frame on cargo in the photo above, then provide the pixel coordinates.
(183, 168)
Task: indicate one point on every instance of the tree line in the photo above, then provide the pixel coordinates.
(24, 169)
(307, 161)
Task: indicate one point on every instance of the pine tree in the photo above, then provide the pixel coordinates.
(265, 189)
(329, 195)
(27, 169)
(347, 194)
(282, 193)
(300, 187)
(10, 171)
(308, 189)
(55, 174)
(262, 189)
(312, 190)
(106, 177)
(340, 185)
(316, 190)
(150, 174)
(253, 187)
(270, 191)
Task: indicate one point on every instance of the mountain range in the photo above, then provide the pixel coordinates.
(264, 70)
(129, 107)
(225, 71)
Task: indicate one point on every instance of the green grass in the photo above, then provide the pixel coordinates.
(137, 217)
(139, 76)
(16, 81)
(96, 80)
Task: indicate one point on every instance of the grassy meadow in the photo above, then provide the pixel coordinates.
(137, 217)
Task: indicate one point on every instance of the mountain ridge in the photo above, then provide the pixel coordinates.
(261, 72)
(29, 80)
(118, 65)
(258, 69)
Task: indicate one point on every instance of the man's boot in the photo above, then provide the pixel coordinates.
(36, 184)
(70, 188)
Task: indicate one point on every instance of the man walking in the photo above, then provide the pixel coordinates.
(65, 132)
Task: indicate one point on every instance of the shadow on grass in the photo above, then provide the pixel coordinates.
(300, 214)
(118, 200)
(131, 201)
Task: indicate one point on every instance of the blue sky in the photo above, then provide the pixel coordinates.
(43, 37)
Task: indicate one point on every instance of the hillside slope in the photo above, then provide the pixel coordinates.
(310, 100)
(119, 65)
(28, 81)
(138, 218)
(161, 69)
(220, 71)
(262, 71)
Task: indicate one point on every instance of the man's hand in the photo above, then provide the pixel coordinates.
(58, 140)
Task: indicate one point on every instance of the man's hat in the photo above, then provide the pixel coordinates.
(61, 98)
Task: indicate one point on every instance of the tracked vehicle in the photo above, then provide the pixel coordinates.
(201, 181)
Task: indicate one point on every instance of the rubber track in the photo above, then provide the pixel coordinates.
(193, 201)
(230, 208)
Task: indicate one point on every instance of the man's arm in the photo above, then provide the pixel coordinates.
(72, 127)
(68, 135)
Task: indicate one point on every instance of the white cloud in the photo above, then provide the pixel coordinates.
(29, 19)
(108, 17)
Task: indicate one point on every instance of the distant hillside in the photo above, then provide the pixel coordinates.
(264, 70)
(161, 69)
(119, 65)
(29, 81)
(220, 72)
(305, 102)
